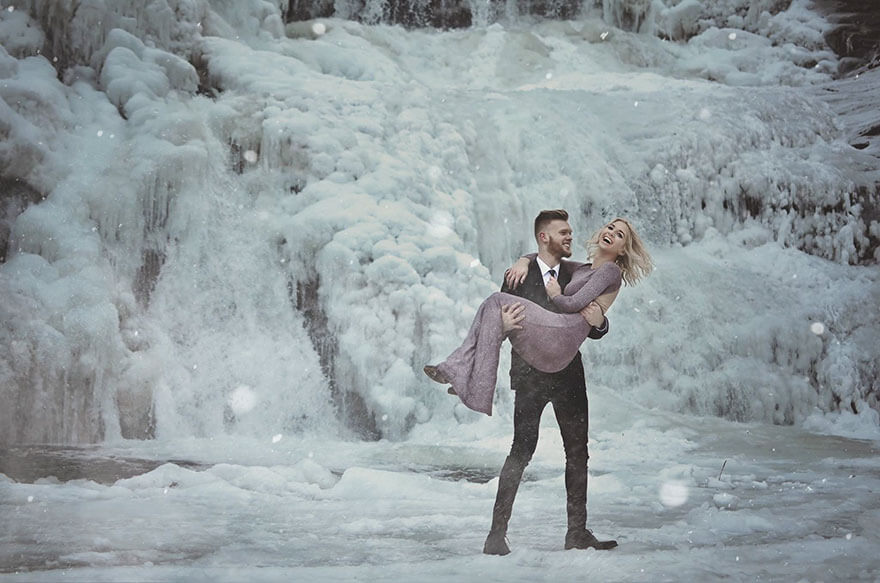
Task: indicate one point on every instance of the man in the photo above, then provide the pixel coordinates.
(566, 389)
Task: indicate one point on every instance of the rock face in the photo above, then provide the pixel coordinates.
(856, 36)
(434, 13)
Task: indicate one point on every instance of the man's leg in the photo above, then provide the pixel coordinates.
(572, 413)
(528, 406)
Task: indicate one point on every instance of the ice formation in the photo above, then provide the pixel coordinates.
(201, 197)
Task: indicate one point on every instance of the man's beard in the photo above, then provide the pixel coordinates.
(557, 249)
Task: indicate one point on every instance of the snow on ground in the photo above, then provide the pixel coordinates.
(689, 499)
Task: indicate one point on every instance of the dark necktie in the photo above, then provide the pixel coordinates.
(551, 273)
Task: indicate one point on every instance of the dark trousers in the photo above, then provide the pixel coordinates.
(571, 408)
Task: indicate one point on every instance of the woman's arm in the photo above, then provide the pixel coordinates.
(516, 273)
(606, 279)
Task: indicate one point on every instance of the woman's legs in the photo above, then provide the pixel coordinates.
(548, 341)
(472, 368)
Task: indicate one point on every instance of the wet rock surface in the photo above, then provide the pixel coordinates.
(28, 464)
(856, 37)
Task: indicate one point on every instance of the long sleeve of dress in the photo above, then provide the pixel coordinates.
(605, 279)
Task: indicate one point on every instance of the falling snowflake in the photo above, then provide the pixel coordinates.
(441, 225)
(817, 328)
(242, 400)
(673, 493)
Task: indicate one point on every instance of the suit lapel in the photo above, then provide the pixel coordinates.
(535, 284)
(564, 275)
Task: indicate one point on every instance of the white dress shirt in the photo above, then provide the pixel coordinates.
(545, 270)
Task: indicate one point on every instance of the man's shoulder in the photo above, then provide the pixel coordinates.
(570, 266)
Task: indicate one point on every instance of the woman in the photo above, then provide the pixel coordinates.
(547, 340)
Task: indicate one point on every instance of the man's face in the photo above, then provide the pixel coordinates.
(558, 238)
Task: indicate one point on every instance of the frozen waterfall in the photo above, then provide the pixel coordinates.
(219, 220)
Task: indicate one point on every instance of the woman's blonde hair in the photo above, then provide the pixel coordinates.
(636, 262)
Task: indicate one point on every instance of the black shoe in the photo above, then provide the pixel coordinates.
(584, 539)
(496, 545)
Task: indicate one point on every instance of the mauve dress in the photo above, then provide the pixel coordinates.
(548, 341)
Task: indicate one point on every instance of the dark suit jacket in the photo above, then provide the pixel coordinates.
(522, 374)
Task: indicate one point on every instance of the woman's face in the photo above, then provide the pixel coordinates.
(612, 238)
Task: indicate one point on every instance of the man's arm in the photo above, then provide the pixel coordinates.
(511, 316)
(598, 330)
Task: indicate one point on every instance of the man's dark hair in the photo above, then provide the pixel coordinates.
(545, 217)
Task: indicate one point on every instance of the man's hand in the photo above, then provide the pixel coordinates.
(511, 316)
(516, 273)
(593, 314)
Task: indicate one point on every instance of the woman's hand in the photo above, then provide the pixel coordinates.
(593, 314)
(516, 273)
(511, 316)
(553, 288)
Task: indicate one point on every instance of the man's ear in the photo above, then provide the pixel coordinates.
(542, 237)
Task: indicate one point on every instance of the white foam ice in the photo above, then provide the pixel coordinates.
(316, 217)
